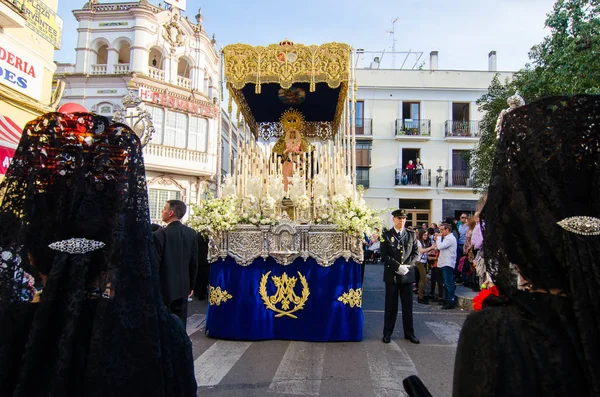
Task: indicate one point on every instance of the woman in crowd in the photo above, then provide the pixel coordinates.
(468, 271)
(425, 247)
(75, 207)
(410, 172)
(540, 337)
(436, 272)
(419, 167)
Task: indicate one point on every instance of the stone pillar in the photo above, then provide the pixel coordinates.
(85, 56)
(111, 60)
(139, 51)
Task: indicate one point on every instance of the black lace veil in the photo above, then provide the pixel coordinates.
(100, 328)
(547, 168)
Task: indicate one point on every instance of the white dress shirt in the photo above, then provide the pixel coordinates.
(447, 250)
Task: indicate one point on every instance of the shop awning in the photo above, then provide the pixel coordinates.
(10, 134)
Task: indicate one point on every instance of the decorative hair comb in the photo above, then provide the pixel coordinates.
(583, 225)
(76, 245)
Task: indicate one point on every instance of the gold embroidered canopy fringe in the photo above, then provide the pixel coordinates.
(286, 64)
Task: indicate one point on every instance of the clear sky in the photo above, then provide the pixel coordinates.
(463, 31)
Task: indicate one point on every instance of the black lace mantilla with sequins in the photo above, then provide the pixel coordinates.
(546, 168)
(100, 328)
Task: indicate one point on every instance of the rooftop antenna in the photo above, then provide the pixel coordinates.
(393, 34)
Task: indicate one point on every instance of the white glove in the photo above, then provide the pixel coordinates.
(402, 270)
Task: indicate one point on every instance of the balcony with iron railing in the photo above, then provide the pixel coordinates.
(458, 179)
(364, 128)
(413, 129)
(412, 179)
(462, 130)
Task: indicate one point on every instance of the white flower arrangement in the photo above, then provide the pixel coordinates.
(250, 210)
(354, 216)
(323, 210)
(214, 215)
(296, 188)
(343, 186)
(269, 211)
(303, 203)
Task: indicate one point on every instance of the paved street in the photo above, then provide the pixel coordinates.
(368, 368)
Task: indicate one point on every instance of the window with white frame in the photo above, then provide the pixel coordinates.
(175, 129)
(157, 199)
(197, 134)
(158, 120)
(202, 134)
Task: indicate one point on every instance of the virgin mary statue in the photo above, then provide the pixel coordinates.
(292, 145)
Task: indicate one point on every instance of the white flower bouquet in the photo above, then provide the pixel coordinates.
(354, 216)
(323, 210)
(269, 211)
(214, 215)
(250, 210)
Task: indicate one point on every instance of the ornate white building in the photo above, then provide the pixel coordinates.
(429, 114)
(174, 68)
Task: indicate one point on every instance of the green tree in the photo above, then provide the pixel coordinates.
(565, 63)
(491, 104)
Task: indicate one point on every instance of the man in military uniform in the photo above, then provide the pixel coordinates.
(398, 251)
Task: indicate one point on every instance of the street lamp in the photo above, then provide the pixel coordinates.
(438, 178)
(132, 114)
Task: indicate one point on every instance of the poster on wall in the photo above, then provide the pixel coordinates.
(18, 70)
(42, 20)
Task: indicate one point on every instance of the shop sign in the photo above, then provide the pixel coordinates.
(6, 156)
(41, 19)
(17, 71)
(166, 100)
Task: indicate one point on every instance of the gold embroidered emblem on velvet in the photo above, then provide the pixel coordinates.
(285, 295)
(352, 297)
(216, 296)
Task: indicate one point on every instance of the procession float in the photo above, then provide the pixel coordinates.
(287, 226)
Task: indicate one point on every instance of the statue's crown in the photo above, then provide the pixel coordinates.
(292, 118)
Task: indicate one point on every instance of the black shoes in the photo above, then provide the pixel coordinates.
(413, 339)
(448, 306)
(423, 301)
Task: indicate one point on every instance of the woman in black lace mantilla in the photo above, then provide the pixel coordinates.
(74, 214)
(541, 215)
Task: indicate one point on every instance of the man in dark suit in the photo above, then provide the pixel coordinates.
(177, 248)
(398, 251)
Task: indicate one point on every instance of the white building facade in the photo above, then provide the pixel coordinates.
(431, 115)
(174, 68)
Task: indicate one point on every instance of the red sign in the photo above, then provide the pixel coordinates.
(201, 109)
(6, 156)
